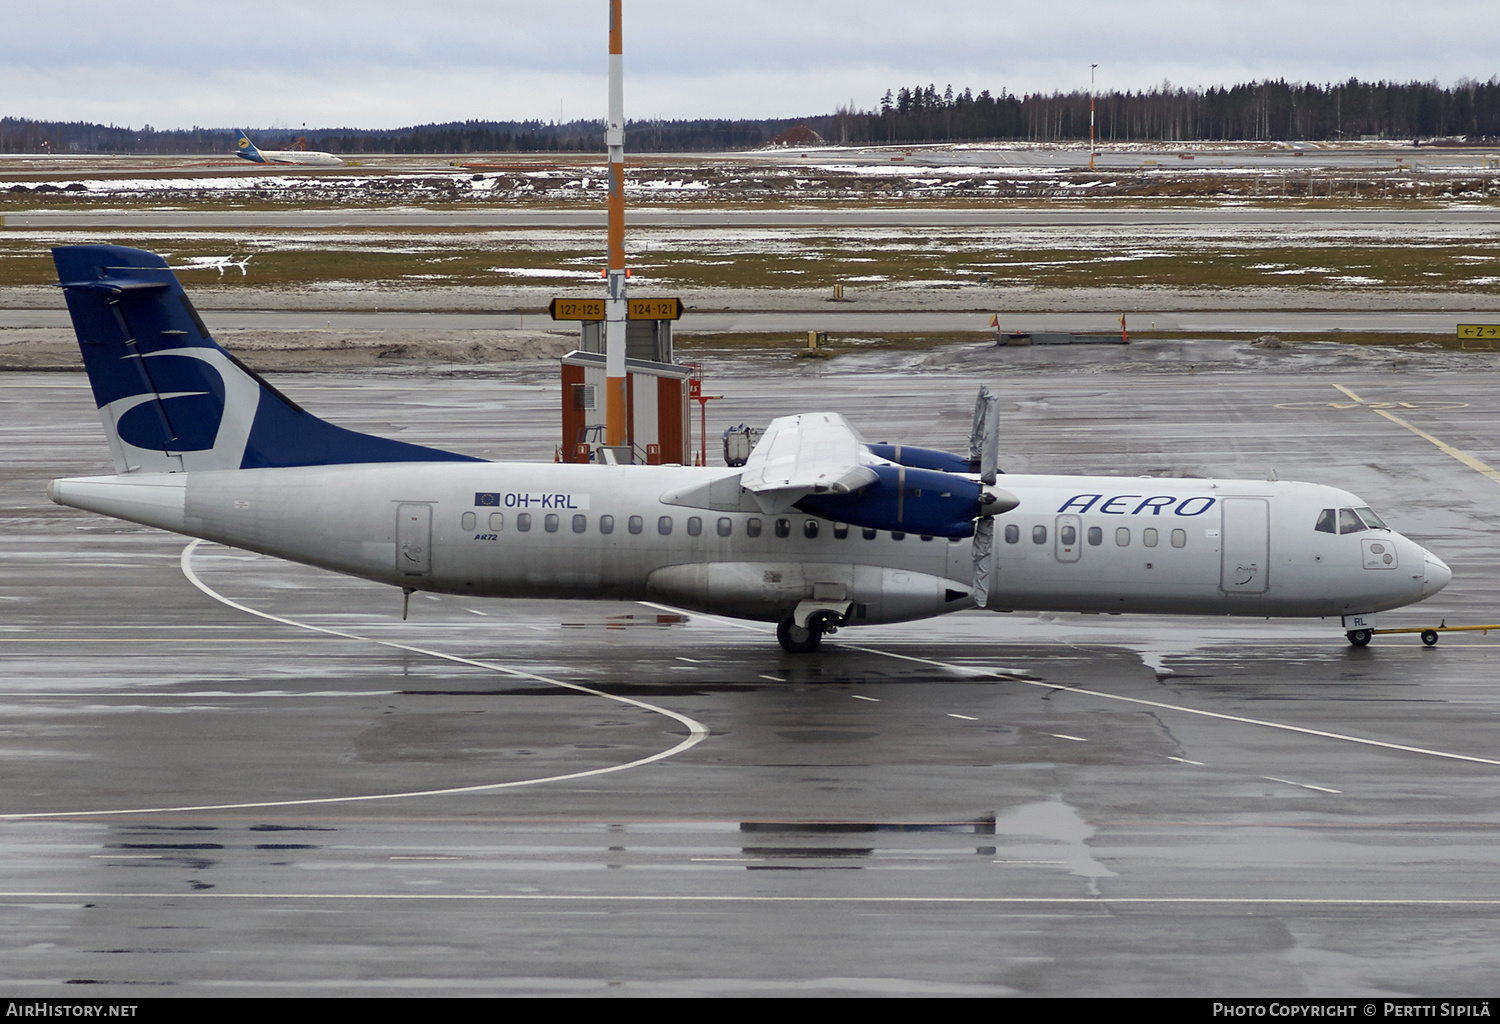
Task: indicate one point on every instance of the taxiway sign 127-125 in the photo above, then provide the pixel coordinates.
(246, 150)
(818, 530)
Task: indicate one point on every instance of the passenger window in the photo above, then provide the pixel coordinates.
(752, 527)
(606, 524)
(1096, 536)
(869, 534)
(468, 521)
(523, 521)
(1012, 533)
(580, 524)
(1122, 536)
(840, 530)
(1038, 535)
(1327, 521)
(810, 529)
(1067, 535)
(1148, 537)
(497, 522)
(550, 523)
(635, 524)
(664, 526)
(783, 527)
(695, 526)
(1349, 522)
(1179, 538)
(726, 526)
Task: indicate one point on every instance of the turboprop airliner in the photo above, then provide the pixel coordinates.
(245, 149)
(819, 530)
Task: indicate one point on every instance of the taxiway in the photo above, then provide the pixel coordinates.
(204, 801)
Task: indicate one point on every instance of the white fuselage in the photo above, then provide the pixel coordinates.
(295, 156)
(1098, 544)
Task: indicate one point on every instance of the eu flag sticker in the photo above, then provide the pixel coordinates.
(487, 498)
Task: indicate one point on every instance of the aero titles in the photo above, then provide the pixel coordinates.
(1139, 504)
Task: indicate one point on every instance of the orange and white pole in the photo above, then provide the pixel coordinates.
(616, 431)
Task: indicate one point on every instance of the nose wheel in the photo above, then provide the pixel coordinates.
(1359, 637)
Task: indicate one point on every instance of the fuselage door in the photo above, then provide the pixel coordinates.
(1246, 550)
(413, 539)
(1069, 538)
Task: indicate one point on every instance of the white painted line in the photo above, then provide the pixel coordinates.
(1065, 736)
(1220, 716)
(1015, 901)
(690, 661)
(774, 679)
(966, 718)
(873, 700)
(697, 732)
(704, 615)
(125, 856)
(1301, 785)
(1012, 675)
(415, 856)
(1184, 760)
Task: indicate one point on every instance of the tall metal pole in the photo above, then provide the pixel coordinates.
(1091, 115)
(615, 306)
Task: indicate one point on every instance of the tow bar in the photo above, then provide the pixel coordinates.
(1430, 633)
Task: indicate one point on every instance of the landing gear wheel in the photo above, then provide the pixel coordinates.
(1359, 637)
(798, 639)
(1430, 637)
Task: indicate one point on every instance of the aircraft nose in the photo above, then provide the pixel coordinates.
(1436, 574)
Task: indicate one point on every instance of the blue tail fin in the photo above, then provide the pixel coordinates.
(171, 399)
(245, 148)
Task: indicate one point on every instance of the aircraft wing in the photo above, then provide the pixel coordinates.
(813, 453)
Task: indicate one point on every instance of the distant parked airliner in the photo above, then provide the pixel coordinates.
(246, 150)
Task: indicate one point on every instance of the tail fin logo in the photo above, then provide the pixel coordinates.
(202, 412)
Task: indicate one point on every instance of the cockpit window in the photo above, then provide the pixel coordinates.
(1369, 518)
(1328, 521)
(1349, 522)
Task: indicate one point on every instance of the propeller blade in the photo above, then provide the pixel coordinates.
(984, 440)
(984, 545)
(976, 433)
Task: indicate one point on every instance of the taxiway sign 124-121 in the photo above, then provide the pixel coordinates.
(818, 530)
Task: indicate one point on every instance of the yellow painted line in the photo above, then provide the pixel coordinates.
(1442, 446)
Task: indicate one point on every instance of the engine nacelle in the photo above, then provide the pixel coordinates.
(906, 500)
(923, 458)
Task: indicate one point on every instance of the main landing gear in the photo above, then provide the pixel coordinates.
(797, 639)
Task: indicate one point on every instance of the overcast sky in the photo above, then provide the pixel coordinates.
(387, 64)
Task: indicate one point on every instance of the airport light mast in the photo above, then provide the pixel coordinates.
(615, 303)
(1091, 115)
